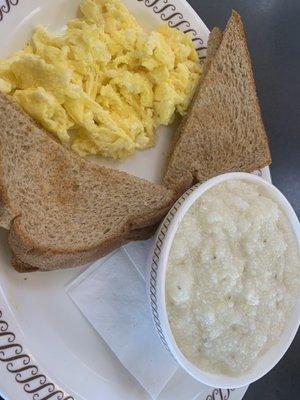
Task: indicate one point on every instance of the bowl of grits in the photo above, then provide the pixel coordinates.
(224, 279)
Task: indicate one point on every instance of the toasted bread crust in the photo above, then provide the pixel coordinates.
(90, 255)
(29, 256)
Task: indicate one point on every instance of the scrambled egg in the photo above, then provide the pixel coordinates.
(104, 85)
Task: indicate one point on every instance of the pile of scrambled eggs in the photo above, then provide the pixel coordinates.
(105, 84)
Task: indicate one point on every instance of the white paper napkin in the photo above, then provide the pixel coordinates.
(111, 294)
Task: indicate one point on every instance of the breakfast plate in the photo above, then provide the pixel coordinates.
(47, 348)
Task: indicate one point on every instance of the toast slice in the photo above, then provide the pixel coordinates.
(61, 210)
(223, 130)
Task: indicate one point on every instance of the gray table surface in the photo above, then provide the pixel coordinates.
(273, 32)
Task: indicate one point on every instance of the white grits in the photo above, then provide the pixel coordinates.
(233, 277)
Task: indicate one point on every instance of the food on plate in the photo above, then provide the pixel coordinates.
(223, 130)
(60, 209)
(105, 84)
(233, 277)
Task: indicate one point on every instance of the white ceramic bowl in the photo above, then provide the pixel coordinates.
(156, 287)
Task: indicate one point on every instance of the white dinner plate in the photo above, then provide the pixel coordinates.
(47, 349)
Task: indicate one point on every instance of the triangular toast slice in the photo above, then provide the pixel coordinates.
(61, 210)
(223, 130)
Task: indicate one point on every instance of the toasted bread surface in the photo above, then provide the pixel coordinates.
(223, 130)
(61, 210)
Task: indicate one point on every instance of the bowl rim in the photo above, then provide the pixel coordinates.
(174, 218)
